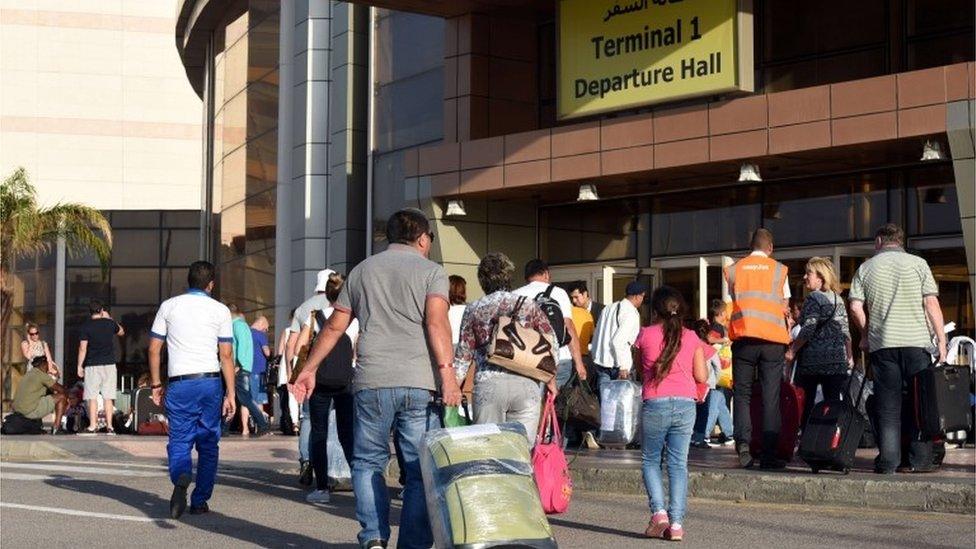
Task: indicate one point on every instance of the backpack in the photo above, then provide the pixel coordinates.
(554, 313)
(335, 374)
(17, 424)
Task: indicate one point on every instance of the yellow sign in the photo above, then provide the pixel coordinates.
(618, 54)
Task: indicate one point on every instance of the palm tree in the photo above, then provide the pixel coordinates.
(27, 230)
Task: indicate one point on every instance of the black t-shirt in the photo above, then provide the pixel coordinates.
(100, 334)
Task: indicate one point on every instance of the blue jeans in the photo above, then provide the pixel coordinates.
(718, 412)
(193, 411)
(377, 412)
(564, 370)
(304, 431)
(603, 375)
(242, 385)
(669, 421)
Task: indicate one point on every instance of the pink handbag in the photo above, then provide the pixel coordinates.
(549, 463)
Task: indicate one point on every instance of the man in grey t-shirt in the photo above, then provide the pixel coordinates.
(895, 305)
(404, 354)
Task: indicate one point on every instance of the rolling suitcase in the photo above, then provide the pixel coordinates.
(942, 400)
(480, 489)
(833, 432)
(620, 409)
(791, 409)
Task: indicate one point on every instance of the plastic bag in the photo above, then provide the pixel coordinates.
(480, 489)
(620, 406)
(339, 470)
(457, 416)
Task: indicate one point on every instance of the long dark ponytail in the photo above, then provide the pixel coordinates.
(669, 310)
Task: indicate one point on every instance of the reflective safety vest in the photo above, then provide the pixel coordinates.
(756, 286)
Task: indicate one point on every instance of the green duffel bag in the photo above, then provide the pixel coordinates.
(480, 489)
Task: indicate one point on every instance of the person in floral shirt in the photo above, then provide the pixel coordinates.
(500, 395)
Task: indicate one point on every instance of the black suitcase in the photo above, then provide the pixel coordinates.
(832, 434)
(942, 400)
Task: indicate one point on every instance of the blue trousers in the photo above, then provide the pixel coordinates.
(193, 411)
(377, 412)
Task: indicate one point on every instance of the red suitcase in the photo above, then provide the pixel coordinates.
(791, 409)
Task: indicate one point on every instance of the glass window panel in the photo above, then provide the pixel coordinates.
(826, 210)
(219, 68)
(180, 247)
(940, 50)
(181, 219)
(129, 219)
(262, 163)
(931, 205)
(173, 282)
(236, 29)
(588, 232)
(135, 344)
(262, 106)
(408, 44)
(234, 130)
(825, 70)
(135, 248)
(262, 45)
(232, 228)
(793, 29)
(410, 111)
(924, 16)
(83, 284)
(260, 212)
(248, 282)
(704, 221)
(234, 174)
(135, 286)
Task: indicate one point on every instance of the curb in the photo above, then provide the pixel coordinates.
(31, 450)
(807, 490)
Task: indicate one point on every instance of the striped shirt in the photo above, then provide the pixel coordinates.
(892, 285)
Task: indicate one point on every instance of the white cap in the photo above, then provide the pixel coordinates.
(322, 279)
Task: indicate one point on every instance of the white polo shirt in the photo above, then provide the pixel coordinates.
(192, 325)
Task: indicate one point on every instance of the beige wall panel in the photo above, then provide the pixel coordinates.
(18, 46)
(66, 157)
(62, 95)
(17, 149)
(18, 93)
(78, 51)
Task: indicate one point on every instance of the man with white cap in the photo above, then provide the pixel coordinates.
(317, 302)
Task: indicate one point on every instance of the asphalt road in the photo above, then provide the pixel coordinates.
(92, 504)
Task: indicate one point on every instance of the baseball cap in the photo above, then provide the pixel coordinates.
(636, 288)
(322, 278)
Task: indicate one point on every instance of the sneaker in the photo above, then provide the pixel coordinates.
(318, 496)
(675, 533)
(701, 444)
(177, 501)
(305, 473)
(87, 433)
(110, 432)
(658, 526)
(375, 544)
(724, 440)
(745, 458)
(199, 509)
(590, 441)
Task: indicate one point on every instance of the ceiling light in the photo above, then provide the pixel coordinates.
(455, 208)
(587, 192)
(749, 172)
(932, 151)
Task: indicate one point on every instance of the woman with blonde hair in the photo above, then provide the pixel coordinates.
(822, 348)
(34, 346)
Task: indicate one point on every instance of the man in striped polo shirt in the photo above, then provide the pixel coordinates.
(895, 305)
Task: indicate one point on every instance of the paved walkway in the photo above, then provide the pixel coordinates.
(713, 473)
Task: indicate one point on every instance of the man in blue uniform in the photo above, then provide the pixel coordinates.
(194, 327)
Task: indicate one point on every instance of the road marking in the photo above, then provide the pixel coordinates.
(78, 513)
(7, 475)
(118, 472)
(110, 463)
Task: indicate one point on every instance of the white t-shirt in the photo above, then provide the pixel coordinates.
(535, 288)
(192, 324)
(454, 315)
(352, 331)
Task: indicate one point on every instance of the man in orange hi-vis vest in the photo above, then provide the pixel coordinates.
(760, 294)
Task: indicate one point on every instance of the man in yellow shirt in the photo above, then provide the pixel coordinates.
(584, 320)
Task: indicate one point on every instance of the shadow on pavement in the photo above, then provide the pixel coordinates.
(157, 508)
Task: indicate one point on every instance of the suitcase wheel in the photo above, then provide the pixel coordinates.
(815, 470)
(846, 470)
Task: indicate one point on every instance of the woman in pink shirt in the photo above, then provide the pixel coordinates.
(672, 361)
